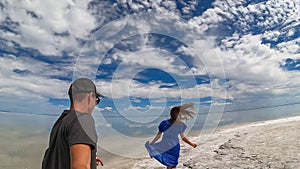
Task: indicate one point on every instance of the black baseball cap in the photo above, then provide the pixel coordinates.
(83, 85)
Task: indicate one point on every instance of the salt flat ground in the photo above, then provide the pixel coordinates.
(271, 144)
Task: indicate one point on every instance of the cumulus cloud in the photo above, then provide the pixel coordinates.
(20, 73)
(245, 17)
(252, 68)
(125, 87)
(290, 47)
(250, 65)
(28, 85)
(243, 58)
(48, 26)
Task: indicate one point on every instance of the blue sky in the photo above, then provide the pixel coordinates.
(148, 56)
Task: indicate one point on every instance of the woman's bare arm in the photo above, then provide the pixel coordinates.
(157, 137)
(186, 140)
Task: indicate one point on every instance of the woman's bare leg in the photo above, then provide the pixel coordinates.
(170, 167)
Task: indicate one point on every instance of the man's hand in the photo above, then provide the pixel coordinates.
(98, 160)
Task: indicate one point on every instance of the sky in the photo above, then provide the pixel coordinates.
(235, 60)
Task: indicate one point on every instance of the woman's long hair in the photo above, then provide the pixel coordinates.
(182, 112)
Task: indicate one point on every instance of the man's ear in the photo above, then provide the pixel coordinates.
(88, 98)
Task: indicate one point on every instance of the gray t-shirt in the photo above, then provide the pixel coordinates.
(71, 128)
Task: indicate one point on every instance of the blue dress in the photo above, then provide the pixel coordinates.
(167, 150)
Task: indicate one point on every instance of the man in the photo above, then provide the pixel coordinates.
(73, 138)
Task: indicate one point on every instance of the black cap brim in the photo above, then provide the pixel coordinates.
(99, 95)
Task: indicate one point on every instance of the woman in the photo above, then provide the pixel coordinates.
(167, 150)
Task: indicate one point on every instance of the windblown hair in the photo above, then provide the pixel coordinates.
(183, 112)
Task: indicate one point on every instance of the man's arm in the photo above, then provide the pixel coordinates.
(80, 155)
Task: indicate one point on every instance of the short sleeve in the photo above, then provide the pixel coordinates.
(182, 127)
(83, 131)
(163, 126)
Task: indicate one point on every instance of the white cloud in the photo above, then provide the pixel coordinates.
(254, 71)
(123, 88)
(272, 35)
(291, 47)
(80, 22)
(20, 92)
(40, 21)
(148, 125)
(148, 57)
(107, 108)
(245, 59)
(251, 67)
(265, 15)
